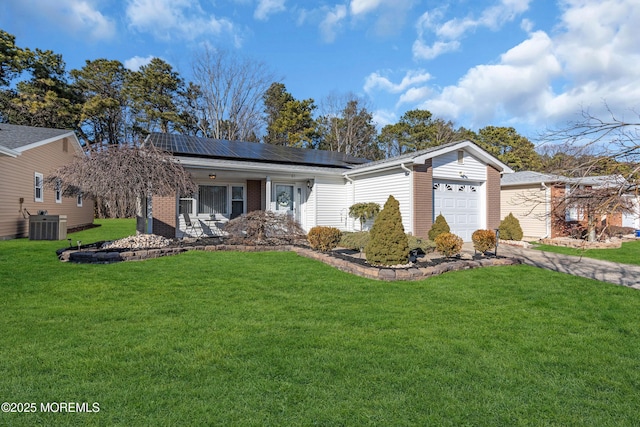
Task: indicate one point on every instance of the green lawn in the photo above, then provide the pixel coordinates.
(276, 339)
(629, 253)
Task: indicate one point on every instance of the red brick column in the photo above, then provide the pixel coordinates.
(254, 195)
(165, 216)
(422, 199)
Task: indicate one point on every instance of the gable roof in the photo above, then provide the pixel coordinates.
(210, 148)
(15, 139)
(530, 177)
(428, 153)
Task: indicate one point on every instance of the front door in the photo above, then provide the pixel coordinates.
(284, 199)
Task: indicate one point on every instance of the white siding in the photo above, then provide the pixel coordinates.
(330, 194)
(378, 187)
(529, 204)
(447, 166)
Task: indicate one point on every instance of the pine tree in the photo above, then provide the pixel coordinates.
(439, 226)
(388, 243)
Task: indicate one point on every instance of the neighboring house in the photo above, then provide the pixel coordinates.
(539, 202)
(459, 180)
(27, 155)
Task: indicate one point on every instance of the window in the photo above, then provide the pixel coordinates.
(58, 191)
(38, 187)
(212, 199)
(186, 205)
(237, 201)
(79, 200)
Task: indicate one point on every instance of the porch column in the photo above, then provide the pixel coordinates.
(267, 195)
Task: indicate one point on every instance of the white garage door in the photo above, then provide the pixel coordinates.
(459, 204)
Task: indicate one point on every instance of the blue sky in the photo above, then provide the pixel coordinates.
(530, 64)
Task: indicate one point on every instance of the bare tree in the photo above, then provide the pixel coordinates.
(594, 145)
(232, 90)
(117, 177)
(347, 126)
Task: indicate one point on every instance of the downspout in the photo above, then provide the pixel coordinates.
(547, 209)
(411, 201)
(353, 195)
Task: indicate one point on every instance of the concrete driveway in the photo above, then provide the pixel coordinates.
(612, 272)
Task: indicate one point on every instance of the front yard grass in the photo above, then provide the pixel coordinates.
(628, 253)
(276, 339)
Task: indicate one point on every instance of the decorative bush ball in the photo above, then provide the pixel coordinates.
(388, 243)
(448, 244)
(324, 238)
(483, 240)
(439, 226)
(510, 228)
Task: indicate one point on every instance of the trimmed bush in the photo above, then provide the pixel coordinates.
(355, 240)
(483, 240)
(448, 244)
(388, 243)
(324, 238)
(510, 228)
(425, 245)
(439, 226)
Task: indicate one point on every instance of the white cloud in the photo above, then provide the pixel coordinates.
(359, 7)
(332, 22)
(171, 19)
(519, 84)
(74, 16)
(268, 7)
(136, 62)
(414, 95)
(449, 33)
(592, 57)
(411, 78)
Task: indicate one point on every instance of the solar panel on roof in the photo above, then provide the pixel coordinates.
(241, 150)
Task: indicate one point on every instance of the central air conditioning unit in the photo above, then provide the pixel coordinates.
(47, 227)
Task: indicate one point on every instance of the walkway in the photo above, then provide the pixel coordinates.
(612, 272)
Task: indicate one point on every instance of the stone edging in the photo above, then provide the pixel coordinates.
(413, 273)
(96, 256)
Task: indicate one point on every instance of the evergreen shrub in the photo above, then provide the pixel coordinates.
(448, 244)
(324, 238)
(355, 240)
(388, 243)
(510, 228)
(439, 226)
(483, 240)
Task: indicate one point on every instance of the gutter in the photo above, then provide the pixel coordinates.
(547, 209)
(406, 169)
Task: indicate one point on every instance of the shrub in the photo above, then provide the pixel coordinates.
(483, 240)
(439, 226)
(510, 228)
(364, 212)
(425, 245)
(359, 240)
(263, 228)
(448, 244)
(324, 238)
(355, 241)
(388, 243)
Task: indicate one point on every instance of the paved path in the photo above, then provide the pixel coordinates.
(612, 272)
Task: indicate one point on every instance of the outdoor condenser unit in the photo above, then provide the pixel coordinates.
(47, 227)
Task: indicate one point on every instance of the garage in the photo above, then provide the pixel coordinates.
(458, 203)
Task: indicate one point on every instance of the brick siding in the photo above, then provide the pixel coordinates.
(422, 199)
(254, 195)
(165, 216)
